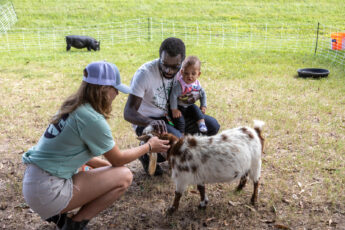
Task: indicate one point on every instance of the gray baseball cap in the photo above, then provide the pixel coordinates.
(105, 73)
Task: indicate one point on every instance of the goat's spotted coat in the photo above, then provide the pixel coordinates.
(230, 155)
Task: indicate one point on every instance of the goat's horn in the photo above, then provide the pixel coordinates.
(152, 163)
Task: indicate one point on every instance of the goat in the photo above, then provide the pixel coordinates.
(230, 155)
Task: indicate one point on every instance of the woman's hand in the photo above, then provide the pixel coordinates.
(176, 113)
(158, 146)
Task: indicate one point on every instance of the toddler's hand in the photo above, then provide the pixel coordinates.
(176, 113)
(203, 109)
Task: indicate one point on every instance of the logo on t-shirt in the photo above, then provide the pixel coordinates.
(55, 129)
(160, 97)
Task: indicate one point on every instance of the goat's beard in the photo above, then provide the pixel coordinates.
(165, 155)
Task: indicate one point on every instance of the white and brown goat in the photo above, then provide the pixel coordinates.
(230, 155)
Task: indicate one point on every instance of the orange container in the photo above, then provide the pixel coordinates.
(338, 41)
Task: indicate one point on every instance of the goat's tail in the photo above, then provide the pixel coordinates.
(258, 128)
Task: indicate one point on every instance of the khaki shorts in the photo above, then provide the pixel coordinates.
(46, 194)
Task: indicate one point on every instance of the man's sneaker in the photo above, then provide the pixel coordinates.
(144, 159)
(202, 128)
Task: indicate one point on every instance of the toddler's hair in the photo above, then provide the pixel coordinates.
(191, 61)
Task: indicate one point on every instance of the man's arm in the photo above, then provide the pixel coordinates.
(131, 113)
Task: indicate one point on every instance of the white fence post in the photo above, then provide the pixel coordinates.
(266, 38)
(23, 40)
(125, 33)
(8, 44)
(150, 21)
(139, 23)
(209, 29)
(197, 34)
(174, 29)
(185, 32)
(297, 41)
(54, 39)
(39, 40)
(281, 37)
(112, 35)
(236, 36)
(223, 36)
(251, 36)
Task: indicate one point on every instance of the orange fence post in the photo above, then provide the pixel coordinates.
(338, 41)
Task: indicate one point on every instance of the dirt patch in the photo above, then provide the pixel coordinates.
(145, 203)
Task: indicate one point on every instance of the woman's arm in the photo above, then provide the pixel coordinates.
(117, 158)
(97, 162)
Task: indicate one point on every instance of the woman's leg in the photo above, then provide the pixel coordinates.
(97, 189)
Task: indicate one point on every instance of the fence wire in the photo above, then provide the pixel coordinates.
(278, 37)
(8, 16)
(328, 47)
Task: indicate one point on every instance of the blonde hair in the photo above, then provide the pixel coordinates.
(95, 95)
(191, 61)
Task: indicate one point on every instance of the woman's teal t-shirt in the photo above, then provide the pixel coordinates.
(66, 146)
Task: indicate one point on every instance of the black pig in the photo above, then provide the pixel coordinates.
(80, 42)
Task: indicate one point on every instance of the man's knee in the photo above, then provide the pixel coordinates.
(174, 131)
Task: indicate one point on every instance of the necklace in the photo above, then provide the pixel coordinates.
(166, 98)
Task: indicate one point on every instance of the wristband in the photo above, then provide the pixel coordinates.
(150, 147)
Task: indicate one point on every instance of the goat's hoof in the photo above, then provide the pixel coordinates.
(202, 207)
(171, 210)
(255, 204)
(238, 191)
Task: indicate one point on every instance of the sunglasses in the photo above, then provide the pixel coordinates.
(166, 67)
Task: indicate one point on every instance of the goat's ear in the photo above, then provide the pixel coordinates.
(156, 134)
(144, 138)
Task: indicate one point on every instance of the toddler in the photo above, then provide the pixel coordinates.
(185, 92)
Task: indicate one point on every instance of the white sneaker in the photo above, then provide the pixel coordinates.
(202, 128)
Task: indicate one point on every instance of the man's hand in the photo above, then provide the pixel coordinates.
(176, 113)
(159, 126)
(203, 109)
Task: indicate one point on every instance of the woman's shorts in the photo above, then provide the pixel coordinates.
(46, 194)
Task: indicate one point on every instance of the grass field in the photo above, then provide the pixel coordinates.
(303, 174)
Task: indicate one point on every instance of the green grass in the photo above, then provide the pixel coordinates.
(49, 13)
(305, 122)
